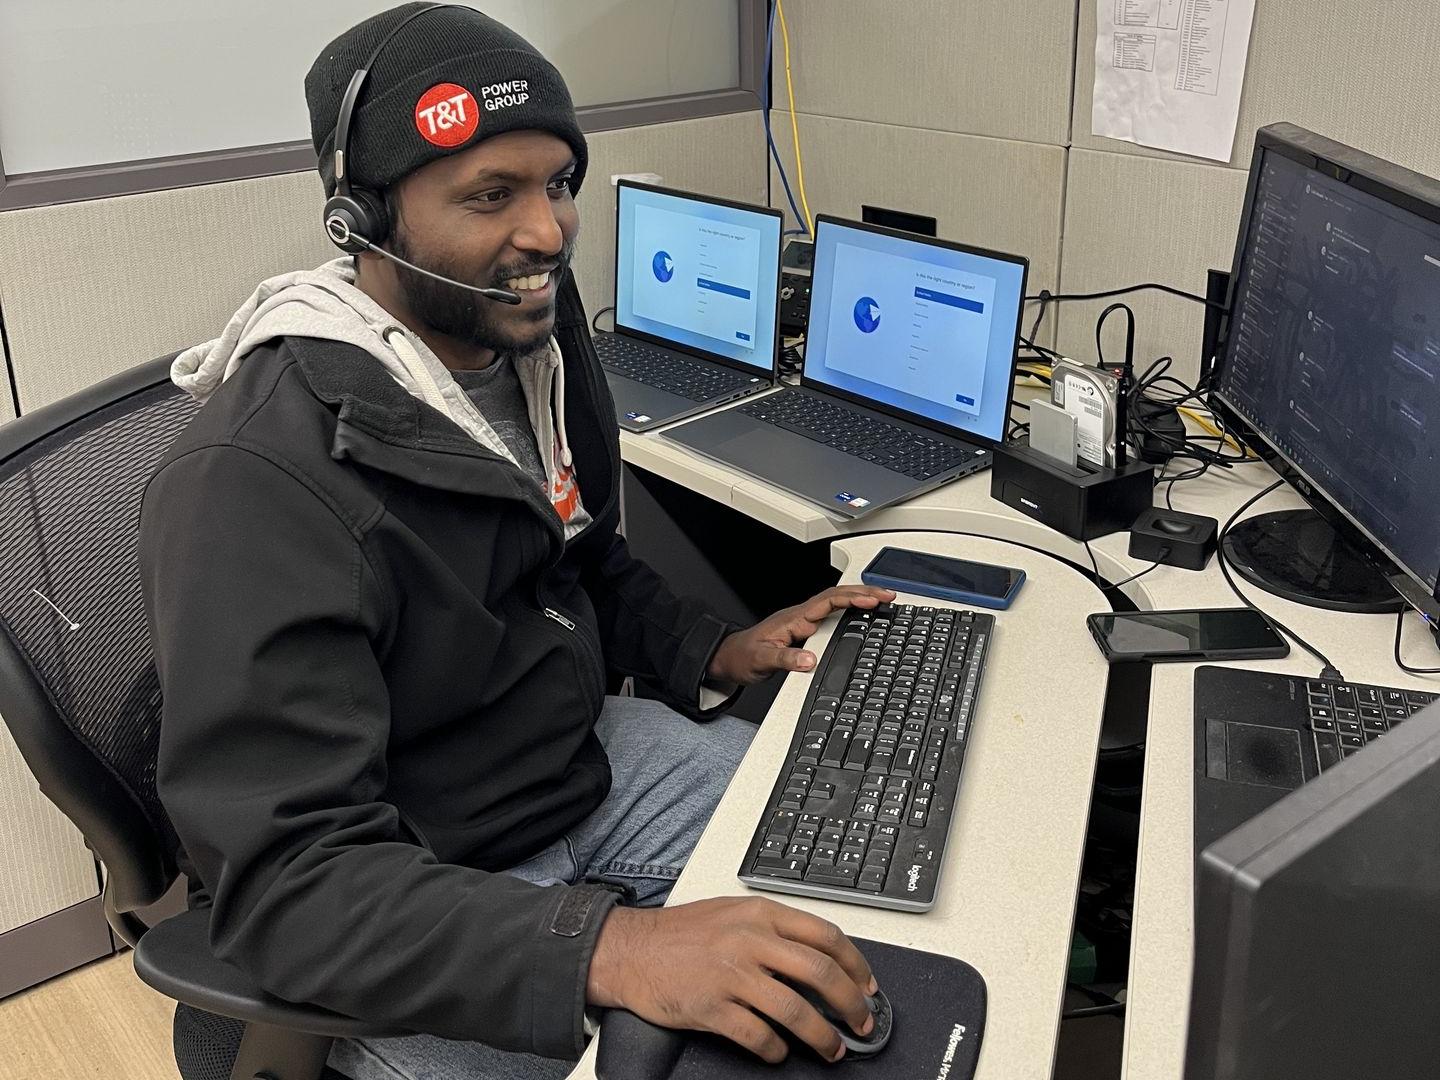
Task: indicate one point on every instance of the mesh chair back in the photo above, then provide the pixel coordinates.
(71, 614)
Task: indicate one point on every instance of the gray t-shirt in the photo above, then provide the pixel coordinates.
(497, 393)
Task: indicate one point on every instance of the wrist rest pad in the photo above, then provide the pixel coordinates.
(939, 1017)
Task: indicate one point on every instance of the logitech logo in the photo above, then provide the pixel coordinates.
(867, 315)
(952, 1045)
(663, 265)
(912, 878)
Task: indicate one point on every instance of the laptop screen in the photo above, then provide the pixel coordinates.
(923, 327)
(698, 273)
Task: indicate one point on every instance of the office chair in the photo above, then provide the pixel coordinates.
(79, 692)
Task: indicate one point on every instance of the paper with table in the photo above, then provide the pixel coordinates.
(1168, 73)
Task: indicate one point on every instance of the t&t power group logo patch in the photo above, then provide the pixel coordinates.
(446, 115)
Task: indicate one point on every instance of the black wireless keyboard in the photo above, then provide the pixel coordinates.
(887, 445)
(680, 375)
(862, 806)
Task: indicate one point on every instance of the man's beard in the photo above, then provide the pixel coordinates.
(466, 316)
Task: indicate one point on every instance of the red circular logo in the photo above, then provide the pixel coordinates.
(446, 115)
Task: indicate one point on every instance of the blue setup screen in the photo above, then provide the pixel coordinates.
(915, 326)
(698, 274)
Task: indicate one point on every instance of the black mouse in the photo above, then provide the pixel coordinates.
(859, 1045)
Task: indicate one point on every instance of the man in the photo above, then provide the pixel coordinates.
(387, 598)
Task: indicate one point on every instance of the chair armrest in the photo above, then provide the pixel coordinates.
(174, 958)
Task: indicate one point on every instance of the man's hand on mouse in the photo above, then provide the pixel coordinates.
(711, 966)
(747, 656)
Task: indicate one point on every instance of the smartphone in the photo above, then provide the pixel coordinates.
(946, 579)
(1177, 636)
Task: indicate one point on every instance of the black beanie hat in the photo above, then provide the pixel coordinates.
(448, 80)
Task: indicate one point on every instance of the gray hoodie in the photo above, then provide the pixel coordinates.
(325, 303)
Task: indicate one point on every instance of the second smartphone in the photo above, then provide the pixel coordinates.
(1185, 636)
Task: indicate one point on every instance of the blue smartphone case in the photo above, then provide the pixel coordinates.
(922, 588)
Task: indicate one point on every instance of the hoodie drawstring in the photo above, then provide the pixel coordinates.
(429, 388)
(558, 386)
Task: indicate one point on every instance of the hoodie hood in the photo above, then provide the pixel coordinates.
(325, 303)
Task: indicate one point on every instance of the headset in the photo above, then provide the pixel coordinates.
(356, 219)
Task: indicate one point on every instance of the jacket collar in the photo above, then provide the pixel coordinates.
(382, 426)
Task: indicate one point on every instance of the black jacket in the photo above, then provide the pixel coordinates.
(381, 666)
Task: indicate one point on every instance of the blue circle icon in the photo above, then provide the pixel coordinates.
(867, 315)
(663, 265)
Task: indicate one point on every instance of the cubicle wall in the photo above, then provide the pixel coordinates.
(964, 112)
(957, 111)
(91, 288)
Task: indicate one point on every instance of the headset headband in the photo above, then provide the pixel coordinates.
(352, 96)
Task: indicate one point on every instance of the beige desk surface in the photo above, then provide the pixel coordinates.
(1006, 895)
(1162, 943)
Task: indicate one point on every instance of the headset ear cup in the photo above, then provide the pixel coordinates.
(376, 216)
(342, 219)
(355, 221)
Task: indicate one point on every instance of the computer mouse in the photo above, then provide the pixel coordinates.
(856, 1045)
(1173, 527)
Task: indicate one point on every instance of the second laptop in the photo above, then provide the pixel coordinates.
(909, 369)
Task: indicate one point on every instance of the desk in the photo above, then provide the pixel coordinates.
(1006, 895)
(1162, 943)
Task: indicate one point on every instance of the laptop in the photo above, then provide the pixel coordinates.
(1259, 736)
(910, 360)
(697, 304)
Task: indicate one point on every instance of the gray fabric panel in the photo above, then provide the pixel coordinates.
(89, 289)
(1130, 219)
(983, 67)
(994, 193)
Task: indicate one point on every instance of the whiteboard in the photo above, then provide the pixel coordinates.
(91, 82)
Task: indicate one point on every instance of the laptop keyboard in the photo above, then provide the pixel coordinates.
(860, 435)
(692, 379)
(1346, 716)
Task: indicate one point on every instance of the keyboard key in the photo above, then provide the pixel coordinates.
(836, 748)
(872, 879)
(1327, 750)
(858, 754)
(786, 870)
(841, 875)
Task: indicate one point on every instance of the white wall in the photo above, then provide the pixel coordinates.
(152, 78)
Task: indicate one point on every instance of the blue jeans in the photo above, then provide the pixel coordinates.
(669, 773)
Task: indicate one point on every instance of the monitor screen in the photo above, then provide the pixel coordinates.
(923, 327)
(1333, 355)
(698, 273)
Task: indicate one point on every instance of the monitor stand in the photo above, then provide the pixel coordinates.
(1298, 555)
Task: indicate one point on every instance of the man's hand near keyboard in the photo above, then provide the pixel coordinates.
(748, 656)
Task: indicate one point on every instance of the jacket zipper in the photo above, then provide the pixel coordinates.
(590, 650)
(551, 613)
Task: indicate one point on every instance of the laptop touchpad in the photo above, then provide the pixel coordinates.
(1253, 754)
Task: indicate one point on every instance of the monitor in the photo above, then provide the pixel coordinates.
(1330, 363)
(926, 330)
(1317, 946)
(698, 273)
